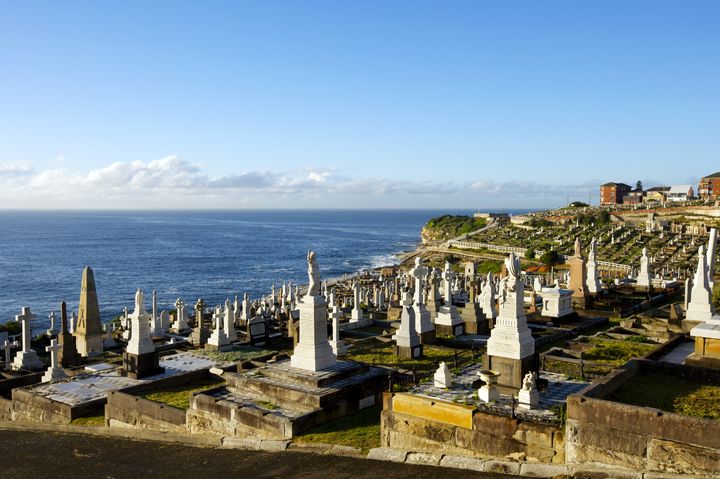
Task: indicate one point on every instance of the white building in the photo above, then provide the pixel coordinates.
(680, 193)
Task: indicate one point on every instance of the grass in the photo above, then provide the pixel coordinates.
(449, 226)
(376, 352)
(360, 430)
(684, 396)
(242, 353)
(91, 421)
(616, 353)
(179, 396)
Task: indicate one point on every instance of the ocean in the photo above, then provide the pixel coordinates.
(186, 254)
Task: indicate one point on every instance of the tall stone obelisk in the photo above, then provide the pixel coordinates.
(88, 330)
(313, 352)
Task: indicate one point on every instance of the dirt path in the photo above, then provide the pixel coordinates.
(38, 455)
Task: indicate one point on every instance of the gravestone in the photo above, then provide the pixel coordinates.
(448, 321)
(88, 330)
(313, 352)
(181, 317)
(442, 377)
(54, 372)
(511, 347)
(423, 324)
(578, 277)
(140, 360)
(594, 285)
(68, 354)
(26, 358)
(407, 340)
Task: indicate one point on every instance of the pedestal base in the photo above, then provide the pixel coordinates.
(528, 399)
(581, 302)
(199, 336)
(138, 366)
(444, 330)
(53, 374)
(412, 352)
(428, 337)
(488, 394)
(28, 360)
(512, 371)
(89, 345)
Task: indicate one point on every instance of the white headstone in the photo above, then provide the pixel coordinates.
(140, 340)
(443, 377)
(26, 358)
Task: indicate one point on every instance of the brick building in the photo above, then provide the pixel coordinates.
(613, 193)
(709, 186)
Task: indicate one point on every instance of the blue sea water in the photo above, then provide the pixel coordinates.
(187, 254)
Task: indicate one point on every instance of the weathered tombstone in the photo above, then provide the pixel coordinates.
(443, 377)
(200, 333)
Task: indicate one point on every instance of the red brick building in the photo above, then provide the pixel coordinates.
(709, 186)
(613, 193)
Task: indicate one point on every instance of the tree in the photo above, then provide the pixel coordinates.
(550, 258)
(638, 185)
(530, 253)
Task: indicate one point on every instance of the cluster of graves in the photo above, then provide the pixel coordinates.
(669, 246)
(507, 403)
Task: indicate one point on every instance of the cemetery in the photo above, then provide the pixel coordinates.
(441, 360)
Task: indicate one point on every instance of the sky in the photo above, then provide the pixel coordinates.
(352, 104)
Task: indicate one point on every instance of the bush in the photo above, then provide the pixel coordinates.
(530, 253)
(550, 258)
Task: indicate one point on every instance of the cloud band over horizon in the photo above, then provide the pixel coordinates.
(172, 182)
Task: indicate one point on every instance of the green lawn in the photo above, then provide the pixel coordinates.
(672, 394)
(616, 353)
(379, 353)
(179, 396)
(360, 430)
(98, 420)
(242, 353)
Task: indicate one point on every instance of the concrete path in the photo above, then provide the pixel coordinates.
(35, 455)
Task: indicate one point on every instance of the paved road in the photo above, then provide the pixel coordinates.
(39, 455)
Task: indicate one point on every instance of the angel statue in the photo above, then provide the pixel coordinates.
(140, 301)
(529, 381)
(313, 275)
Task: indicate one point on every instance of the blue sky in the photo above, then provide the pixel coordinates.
(352, 104)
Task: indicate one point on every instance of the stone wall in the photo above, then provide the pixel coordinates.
(417, 423)
(28, 406)
(7, 385)
(126, 410)
(210, 415)
(609, 433)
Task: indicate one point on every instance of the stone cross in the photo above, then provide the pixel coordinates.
(25, 316)
(199, 308)
(53, 350)
(7, 347)
(53, 329)
(419, 273)
(447, 276)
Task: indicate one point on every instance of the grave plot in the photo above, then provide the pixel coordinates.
(655, 416)
(279, 401)
(597, 355)
(85, 394)
(454, 420)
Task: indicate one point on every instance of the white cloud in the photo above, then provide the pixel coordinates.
(171, 182)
